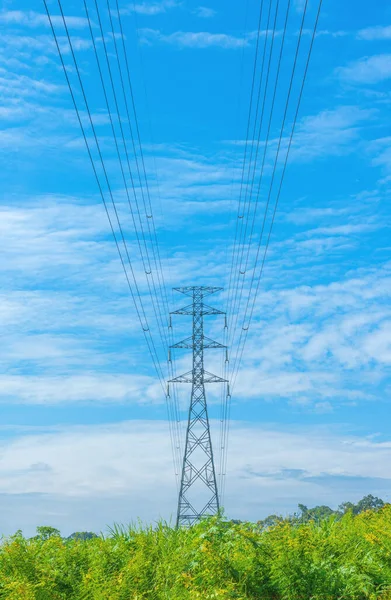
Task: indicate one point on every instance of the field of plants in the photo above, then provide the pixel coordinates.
(347, 558)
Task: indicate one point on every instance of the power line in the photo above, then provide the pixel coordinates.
(146, 262)
(247, 140)
(245, 329)
(266, 145)
(150, 218)
(237, 270)
(139, 310)
(173, 421)
(236, 245)
(149, 213)
(225, 330)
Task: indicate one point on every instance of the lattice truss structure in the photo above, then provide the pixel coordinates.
(198, 495)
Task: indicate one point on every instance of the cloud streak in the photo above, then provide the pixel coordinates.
(368, 70)
(188, 39)
(126, 464)
(33, 19)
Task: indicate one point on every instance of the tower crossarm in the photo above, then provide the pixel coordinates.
(205, 378)
(188, 343)
(204, 310)
(205, 290)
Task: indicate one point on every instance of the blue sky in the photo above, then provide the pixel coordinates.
(84, 441)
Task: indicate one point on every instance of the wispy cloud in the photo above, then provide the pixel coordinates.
(34, 19)
(97, 388)
(329, 132)
(368, 70)
(326, 32)
(375, 33)
(188, 39)
(85, 471)
(151, 8)
(205, 12)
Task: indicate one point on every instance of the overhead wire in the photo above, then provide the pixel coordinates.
(238, 296)
(247, 318)
(144, 258)
(236, 273)
(225, 390)
(245, 329)
(159, 291)
(250, 110)
(151, 220)
(144, 255)
(138, 304)
(150, 216)
(225, 329)
(236, 248)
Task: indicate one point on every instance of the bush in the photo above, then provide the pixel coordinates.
(337, 558)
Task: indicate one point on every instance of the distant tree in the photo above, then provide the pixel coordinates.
(45, 532)
(345, 507)
(318, 513)
(368, 503)
(321, 512)
(303, 514)
(82, 535)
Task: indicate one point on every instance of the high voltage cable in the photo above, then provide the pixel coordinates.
(228, 336)
(156, 256)
(172, 365)
(245, 329)
(257, 195)
(246, 144)
(225, 337)
(173, 418)
(281, 181)
(240, 347)
(140, 313)
(146, 265)
(171, 362)
(148, 210)
(235, 273)
(148, 269)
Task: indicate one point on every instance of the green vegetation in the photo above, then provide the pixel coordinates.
(339, 556)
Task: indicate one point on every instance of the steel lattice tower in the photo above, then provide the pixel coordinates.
(198, 470)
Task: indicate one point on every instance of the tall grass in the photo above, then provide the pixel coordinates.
(346, 559)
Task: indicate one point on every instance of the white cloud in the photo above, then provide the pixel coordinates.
(368, 70)
(328, 132)
(205, 12)
(152, 8)
(34, 19)
(314, 342)
(375, 33)
(188, 39)
(36, 48)
(95, 388)
(123, 471)
(299, 5)
(327, 32)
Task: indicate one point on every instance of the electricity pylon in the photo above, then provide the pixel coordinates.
(198, 470)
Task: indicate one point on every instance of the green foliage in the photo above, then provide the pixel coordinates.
(333, 557)
(82, 535)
